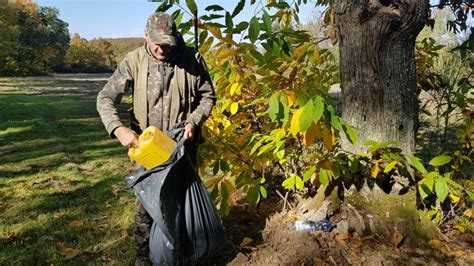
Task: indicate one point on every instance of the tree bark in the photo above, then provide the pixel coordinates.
(378, 76)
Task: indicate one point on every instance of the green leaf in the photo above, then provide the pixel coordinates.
(374, 147)
(214, 8)
(238, 8)
(273, 107)
(192, 6)
(416, 162)
(299, 184)
(441, 188)
(216, 168)
(257, 145)
(390, 166)
(263, 192)
(224, 192)
(454, 183)
(254, 29)
(289, 183)
(425, 186)
(228, 21)
(306, 117)
(350, 132)
(214, 193)
(323, 177)
(267, 22)
(318, 108)
(253, 194)
(307, 175)
(429, 179)
(240, 27)
(280, 154)
(266, 148)
(369, 142)
(423, 191)
(224, 208)
(211, 17)
(440, 160)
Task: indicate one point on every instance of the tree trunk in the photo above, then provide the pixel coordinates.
(378, 77)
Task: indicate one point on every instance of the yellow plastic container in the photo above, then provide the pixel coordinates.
(154, 148)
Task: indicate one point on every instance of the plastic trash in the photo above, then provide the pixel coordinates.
(323, 225)
(186, 227)
(154, 148)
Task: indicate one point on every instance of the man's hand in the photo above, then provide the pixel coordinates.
(188, 131)
(126, 136)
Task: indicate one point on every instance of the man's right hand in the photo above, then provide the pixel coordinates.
(126, 136)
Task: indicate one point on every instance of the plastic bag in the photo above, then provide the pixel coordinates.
(186, 226)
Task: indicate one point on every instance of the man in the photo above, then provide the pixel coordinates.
(170, 84)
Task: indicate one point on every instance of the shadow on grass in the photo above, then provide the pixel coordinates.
(53, 148)
(100, 234)
(38, 127)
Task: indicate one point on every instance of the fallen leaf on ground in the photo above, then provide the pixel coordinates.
(58, 216)
(397, 238)
(69, 253)
(77, 223)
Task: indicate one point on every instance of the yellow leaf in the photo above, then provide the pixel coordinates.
(77, 223)
(295, 122)
(212, 181)
(454, 198)
(327, 138)
(291, 98)
(317, 56)
(281, 133)
(375, 169)
(225, 53)
(233, 87)
(469, 213)
(301, 50)
(229, 185)
(245, 242)
(215, 31)
(234, 107)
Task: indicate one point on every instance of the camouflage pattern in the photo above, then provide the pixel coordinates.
(158, 94)
(162, 29)
(142, 228)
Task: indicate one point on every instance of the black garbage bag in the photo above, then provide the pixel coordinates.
(186, 227)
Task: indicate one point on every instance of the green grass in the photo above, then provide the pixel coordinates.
(62, 195)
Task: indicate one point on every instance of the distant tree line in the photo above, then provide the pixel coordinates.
(34, 41)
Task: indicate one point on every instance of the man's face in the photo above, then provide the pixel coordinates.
(160, 51)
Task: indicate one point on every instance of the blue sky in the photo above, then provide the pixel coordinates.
(127, 18)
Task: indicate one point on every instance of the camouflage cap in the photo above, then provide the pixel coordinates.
(161, 29)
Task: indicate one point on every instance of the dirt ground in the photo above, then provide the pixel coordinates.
(262, 236)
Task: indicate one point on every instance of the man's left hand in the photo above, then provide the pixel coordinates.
(188, 131)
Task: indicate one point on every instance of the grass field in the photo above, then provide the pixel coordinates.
(62, 195)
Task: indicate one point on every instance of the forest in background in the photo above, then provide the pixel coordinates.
(34, 41)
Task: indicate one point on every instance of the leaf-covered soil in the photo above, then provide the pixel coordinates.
(275, 243)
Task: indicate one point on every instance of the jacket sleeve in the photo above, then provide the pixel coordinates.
(205, 95)
(111, 95)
